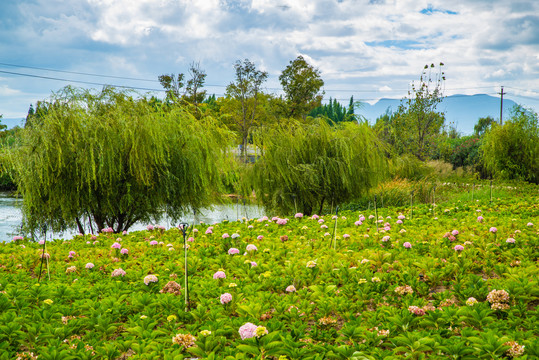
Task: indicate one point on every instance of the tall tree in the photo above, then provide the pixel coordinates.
(301, 83)
(193, 92)
(315, 164)
(245, 95)
(173, 84)
(417, 121)
(511, 150)
(116, 160)
(483, 125)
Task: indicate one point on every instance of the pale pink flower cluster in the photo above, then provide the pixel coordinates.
(498, 299)
(118, 272)
(225, 236)
(320, 221)
(89, 266)
(480, 219)
(324, 226)
(124, 251)
(253, 264)
(71, 269)
(510, 241)
(263, 218)
(515, 349)
(385, 238)
(153, 242)
(219, 275)
(225, 298)
(185, 340)
(290, 288)
(407, 245)
(298, 215)
(149, 227)
(416, 310)
(399, 222)
(150, 279)
(71, 254)
(455, 232)
(259, 237)
(251, 247)
(458, 248)
(107, 230)
(471, 301)
(493, 230)
(209, 230)
(311, 264)
(235, 236)
(401, 217)
(15, 238)
(403, 290)
(191, 239)
(315, 217)
(282, 221)
(249, 330)
(529, 224)
(358, 223)
(346, 236)
(116, 246)
(233, 251)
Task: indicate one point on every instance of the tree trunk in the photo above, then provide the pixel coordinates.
(79, 225)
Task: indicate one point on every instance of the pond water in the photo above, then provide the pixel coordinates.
(11, 217)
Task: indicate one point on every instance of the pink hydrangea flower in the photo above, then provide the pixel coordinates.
(226, 298)
(510, 241)
(225, 236)
(361, 218)
(324, 226)
(124, 251)
(89, 265)
(290, 288)
(458, 248)
(455, 232)
(493, 230)
(247, 331)
(250, 227)
(282, 221)
(190, 239)
(259, 237)
(124, 232)
(153, 242)
(251, 247)
(399, 222)
(72, 254)
(358, 223)
(401, 217)
(116, 245)
(480, 219)
(385, 238)
(41, 242)
(298, 215)
(118, 272)
(149, 227)
(529, 224)
(233, 251)
(15, 238)
(263, 218)
(346, 236)
(219, 275)
(407, 245)
(315, 217)
(253, 264)
(209, 231)
(320, 221)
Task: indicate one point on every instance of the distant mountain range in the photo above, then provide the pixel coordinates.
(461, 111)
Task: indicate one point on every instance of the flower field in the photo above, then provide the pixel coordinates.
(455, 282)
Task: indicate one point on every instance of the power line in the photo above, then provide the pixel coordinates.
(80, 81)
(78, 73)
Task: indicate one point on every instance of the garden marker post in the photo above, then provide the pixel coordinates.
(375, 214)
(183, 228)
(434, 201)
(412, 204)
(335, 228)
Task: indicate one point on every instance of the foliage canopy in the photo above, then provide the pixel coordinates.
(316, 163)
(116, 160)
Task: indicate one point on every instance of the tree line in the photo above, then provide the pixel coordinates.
(112, 158)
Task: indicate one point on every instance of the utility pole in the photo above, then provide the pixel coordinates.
(501, 105)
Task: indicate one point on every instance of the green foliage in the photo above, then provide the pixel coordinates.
(243, 99)
(301, 83)
(511, 150)
(116, 159)
(483, 125)
(461, 151)
(417, 122)
(316, 163)
(335, 111)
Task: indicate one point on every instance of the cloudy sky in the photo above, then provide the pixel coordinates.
(368, 49)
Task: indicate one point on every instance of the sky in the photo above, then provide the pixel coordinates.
(369, 49)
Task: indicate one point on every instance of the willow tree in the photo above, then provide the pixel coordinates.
(309, 165)
(115, 160)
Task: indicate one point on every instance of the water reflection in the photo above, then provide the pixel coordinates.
(11, 217)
